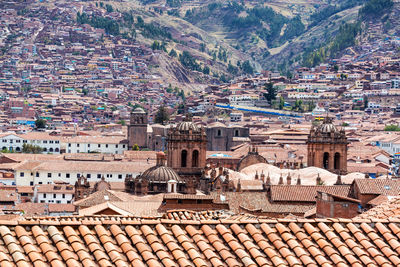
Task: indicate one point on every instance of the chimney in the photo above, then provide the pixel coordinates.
(289, 179)
(160, 158)
(298, 180)
(256, 176)
(280, 180)
(338, 180)
(268, 180)
(319, 180)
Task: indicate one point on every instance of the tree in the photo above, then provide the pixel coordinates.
(270, 93)
(122, 122)
(40, 123)
(162, 115)
(365, 102)
(392, 127)
(32, 149)
(135, 147)
(281, 103)
(172, 53)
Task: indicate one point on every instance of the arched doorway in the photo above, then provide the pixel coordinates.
(326, 160)
(337, 161)
(195, 158)
(18, 149)
(183, 158)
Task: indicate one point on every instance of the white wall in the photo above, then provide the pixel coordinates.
(94, 147)
(62, 198)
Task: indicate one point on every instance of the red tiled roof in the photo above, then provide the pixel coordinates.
(305, 193)
(378, 186)
(126, 241)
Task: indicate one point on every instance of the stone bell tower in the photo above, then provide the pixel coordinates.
(327, 147)
(187, 147)
(137, 128)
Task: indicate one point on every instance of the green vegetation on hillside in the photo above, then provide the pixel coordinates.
(375, 8)
(323, 14)
(260, 20)
(345, 37)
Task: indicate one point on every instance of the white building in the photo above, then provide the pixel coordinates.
(14, 142)
(95, 144)
(30, 173)
(54, 193)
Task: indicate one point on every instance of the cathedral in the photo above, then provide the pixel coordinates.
(327, 147)
(180, 170)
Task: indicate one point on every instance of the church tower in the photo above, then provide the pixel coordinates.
(137, 128)
(186, 149)
(327, 147)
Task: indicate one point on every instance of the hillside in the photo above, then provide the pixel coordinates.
(215, 40)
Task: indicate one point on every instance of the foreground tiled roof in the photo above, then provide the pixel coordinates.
(125, 241)
(388, 209)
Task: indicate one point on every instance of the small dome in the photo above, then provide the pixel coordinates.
(188, 125)
(327, 127)
(160, 174)
(138, 110)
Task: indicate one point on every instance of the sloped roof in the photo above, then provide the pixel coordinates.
(125, 241)
(305, 193)
(378, 186)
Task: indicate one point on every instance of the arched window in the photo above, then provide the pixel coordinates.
(195, 158)
(18, 149)
(51, 149)
(236, 133)
(337, 161)
(326, 160)
(183, 158)
(57, 150)
(45, 149)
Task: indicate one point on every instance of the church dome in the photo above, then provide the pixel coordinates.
(326, 127)
(160, 174)
(138, 110)
(185, 126)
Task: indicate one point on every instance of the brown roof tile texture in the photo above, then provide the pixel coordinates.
(319, 242)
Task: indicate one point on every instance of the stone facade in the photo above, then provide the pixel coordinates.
(327, 147)
(187, 147)
(222, 138)
(251, 158)
(137, 129)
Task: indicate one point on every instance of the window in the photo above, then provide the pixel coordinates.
(18, 141)
(37, 174)
(51, 142)
(39, 183)
(106, 145)
(98, 145)
(77, 145)
(58, 201)
(67, 175)
(88, 175)
(88, 145)
(31, 183)
(49, 175)
(54, 195)
(44, 141)
(41, 201)
(44, 195)
(24, 141)
(59, 174)
(219, 133)
(69, 145)
(98, 175)
(57, 142)
(119, 176)
(345, 205)
(22, 174)
(78, 175)
(123, 146)
(63, 195)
